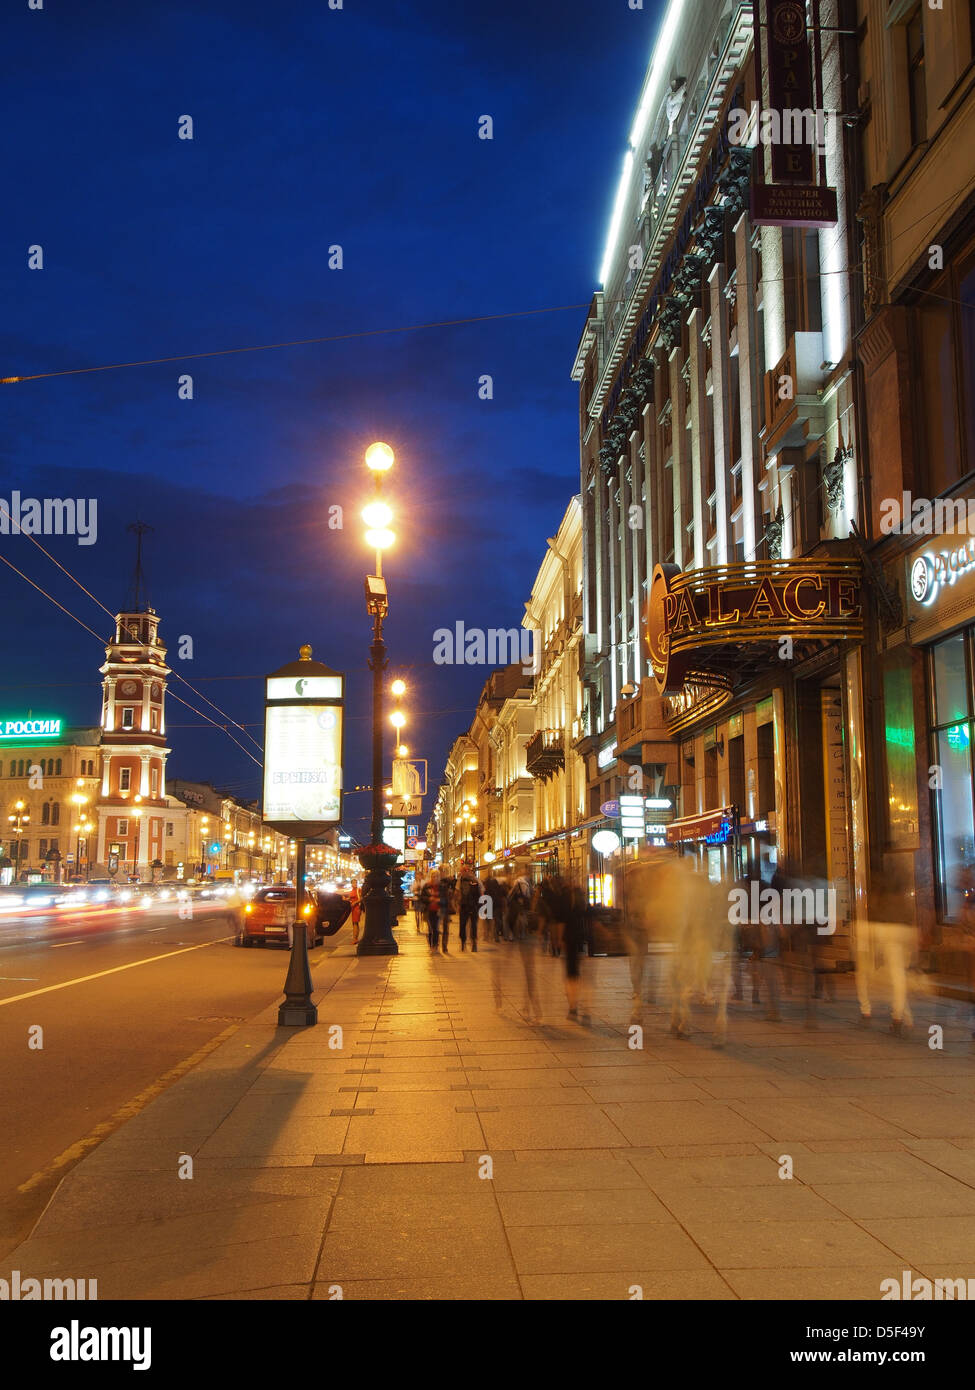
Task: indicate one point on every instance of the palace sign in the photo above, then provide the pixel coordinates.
(699, 618)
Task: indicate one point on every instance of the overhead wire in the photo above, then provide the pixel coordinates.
(198, 693)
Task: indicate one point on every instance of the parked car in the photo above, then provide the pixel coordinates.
(269, 915)
(268, 918)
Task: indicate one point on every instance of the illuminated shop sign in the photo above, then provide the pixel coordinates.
(30, 728)
(700, 618)
(939, 569)
(606, 755)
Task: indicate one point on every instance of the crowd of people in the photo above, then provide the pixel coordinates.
(552, 916)
(685, 941)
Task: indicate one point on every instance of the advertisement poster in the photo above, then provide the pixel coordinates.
(302, 763)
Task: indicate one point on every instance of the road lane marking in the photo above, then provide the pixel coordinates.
(56, 946)
(99, 974)
(126, 1112)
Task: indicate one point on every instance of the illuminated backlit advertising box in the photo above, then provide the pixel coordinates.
(303, 748)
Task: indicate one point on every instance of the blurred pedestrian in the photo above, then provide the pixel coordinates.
(430, 907)
(495, 892)
(469, 894)
(355, 899)
(571, 904)
(888, 940)
(448, 905)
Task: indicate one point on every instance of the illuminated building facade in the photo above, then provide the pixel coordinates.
(50, 776)
(916, 350)
(720, 455)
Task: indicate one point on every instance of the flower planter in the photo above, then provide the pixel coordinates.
(374, 859)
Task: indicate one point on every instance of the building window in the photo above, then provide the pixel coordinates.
(125, 779)
(128, 718)
(57, 768)
(951, 746)
(915, 76)
(169, 828)
(42, 848)
(123, 828)
(154, 782)
(46, 813)
(154, 721)
(55, 813)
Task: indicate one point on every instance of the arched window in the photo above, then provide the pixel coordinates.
(46, 813)
(20, 768)
(57, 770)
(56, 814)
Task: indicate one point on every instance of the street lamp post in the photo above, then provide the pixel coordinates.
(20, 818)
(137, 813)
(81, 801)
(377, 936)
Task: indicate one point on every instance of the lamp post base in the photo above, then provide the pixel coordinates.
(297, 1015)
(377, 934)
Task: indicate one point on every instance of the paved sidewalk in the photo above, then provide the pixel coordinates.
(449, 1150)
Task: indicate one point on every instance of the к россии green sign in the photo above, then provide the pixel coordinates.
(30, 728)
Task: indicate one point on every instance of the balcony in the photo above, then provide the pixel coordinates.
(545, 753)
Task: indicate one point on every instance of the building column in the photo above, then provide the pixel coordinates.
(700, 437)
(681, 462)
(721, 405)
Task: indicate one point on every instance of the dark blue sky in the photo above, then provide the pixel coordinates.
(312, 127)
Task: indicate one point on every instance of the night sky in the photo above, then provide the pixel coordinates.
(312, 128)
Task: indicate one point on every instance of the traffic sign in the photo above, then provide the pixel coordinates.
(411, 842)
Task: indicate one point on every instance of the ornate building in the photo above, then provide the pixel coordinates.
(722, 602)
(133, 791)
(916, 360)
(554, 615)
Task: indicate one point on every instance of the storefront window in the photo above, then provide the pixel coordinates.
(952, 754)
(951, 685)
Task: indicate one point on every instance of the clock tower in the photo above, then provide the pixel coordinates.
(133, 792)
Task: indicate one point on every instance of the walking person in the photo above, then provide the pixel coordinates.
(430, 907)
(494, 891)
(469, 893)
(572, 907)
(356, 900)
(524, 927)
(448, 902)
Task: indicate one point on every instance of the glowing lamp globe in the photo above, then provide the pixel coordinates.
(605, 841)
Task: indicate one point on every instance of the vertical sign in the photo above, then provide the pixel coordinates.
(790, 89)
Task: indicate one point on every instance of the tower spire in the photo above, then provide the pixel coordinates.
(138, 593)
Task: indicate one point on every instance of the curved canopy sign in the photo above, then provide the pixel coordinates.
(701, 619)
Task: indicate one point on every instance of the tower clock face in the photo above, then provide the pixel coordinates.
(129, 687)
(156, 691)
